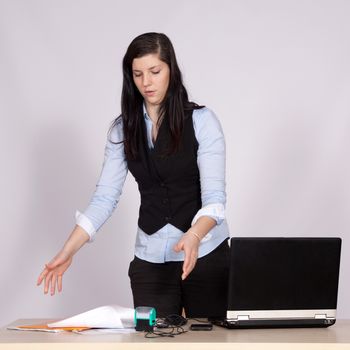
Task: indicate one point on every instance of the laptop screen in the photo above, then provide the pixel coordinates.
(284, 273)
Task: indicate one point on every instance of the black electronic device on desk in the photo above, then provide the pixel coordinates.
(282, 282)
(201, 327)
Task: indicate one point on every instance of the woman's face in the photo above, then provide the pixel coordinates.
(151, 77)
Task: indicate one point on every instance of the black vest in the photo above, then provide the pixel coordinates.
(169, 185)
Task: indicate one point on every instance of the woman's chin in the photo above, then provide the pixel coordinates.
(152, 100)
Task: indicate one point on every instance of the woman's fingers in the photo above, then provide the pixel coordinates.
(53, 283)
(190, 248)
(59, 283)
(47, 281)
(178, 246)
(52, 280)
(189, 263)
(53, 272)
(185, 266)
(44, 273)
(42, 276)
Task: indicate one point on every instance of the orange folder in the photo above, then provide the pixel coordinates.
(44, 327)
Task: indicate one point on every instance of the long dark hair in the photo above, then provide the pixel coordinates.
(174, 104)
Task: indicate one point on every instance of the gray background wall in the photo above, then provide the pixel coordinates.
(277, 75)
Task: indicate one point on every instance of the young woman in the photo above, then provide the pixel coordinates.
(175, 149)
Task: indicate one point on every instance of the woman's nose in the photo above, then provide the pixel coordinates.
(146, 80)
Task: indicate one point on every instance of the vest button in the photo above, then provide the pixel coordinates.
(167, 218)
(165, 200)
(162, 184)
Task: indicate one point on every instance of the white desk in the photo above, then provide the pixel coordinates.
(334, 337)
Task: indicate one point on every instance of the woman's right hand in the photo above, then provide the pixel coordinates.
(53, 272)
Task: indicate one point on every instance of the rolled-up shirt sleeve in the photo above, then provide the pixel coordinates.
(109, 185)
(211, 160)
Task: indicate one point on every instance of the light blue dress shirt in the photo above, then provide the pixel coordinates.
(158, 247)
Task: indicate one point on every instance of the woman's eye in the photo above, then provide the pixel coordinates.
(139, 75)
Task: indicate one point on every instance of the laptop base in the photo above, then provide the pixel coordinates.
(245, 324)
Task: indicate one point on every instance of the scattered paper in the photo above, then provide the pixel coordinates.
(104, 319)
(45, 328)
(97, 331)
(109, 316)
(21, 328)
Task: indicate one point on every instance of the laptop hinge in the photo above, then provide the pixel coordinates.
(243, 317)
(320, 316)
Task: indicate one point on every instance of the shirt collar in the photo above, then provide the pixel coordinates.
(145, 114)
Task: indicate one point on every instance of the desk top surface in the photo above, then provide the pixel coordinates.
(338, 334)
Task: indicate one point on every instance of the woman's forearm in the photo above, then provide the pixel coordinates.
(203, 225)
(76, 240)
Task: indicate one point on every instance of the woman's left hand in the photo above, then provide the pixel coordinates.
(189, 243)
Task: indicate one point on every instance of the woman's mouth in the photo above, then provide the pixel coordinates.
(149, 93)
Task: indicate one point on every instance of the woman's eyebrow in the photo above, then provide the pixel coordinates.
(137, 70)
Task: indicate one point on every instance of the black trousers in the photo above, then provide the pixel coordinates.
(202, 294)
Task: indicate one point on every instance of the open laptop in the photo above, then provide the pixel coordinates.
(282, 282)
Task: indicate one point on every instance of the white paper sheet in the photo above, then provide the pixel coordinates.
(108, 316)
(99, 331)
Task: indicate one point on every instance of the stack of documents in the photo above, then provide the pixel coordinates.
(104, 317)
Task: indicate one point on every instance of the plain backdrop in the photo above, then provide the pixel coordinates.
(277, 75)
